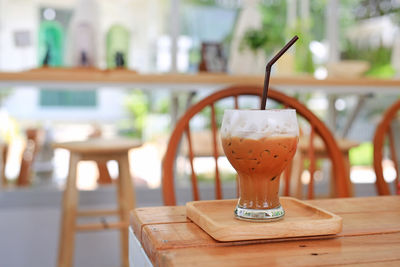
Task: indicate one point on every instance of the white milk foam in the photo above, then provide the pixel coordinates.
(256, 124)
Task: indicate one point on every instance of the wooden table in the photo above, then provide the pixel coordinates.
(370, 237)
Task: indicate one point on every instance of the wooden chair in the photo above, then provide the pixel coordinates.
(317, 128)
(321, 153)
(3, 161)
(28, 157)
(386, 130)
(98, 150)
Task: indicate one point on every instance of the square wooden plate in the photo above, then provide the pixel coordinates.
(216, 218)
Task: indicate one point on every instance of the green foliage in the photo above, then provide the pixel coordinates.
(163, 106)
(137, 104)
(303, 56)
(346, 19)
(318, 18)
(219, 113)
(4, 93)
(379, 58)
(271, 36)
(200, 2)
(382, 71)
(363, 155)
(209, 177)
(210, 3)
(307, 163)
(194, 56)
(255, 40)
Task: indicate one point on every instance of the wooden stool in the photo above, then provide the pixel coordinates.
(99, 150)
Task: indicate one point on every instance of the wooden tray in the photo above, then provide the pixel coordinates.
(216, 218)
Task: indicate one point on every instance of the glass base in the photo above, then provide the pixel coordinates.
(255, 215)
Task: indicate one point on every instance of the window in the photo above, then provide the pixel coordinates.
(64, 98)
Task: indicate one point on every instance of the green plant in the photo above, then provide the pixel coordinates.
(200, 2)
(254, 39)
(362, 155)
(270, 36)
(163, 106)
(219, 113)
(209, 177)
(379, 58)
(4, 93)
(318, 19)
(137, 105)
(303, 57)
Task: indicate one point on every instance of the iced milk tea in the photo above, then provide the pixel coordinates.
(259, 144)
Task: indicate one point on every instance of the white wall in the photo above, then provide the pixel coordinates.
(17, 16)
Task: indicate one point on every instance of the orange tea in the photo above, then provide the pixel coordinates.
(259, 164)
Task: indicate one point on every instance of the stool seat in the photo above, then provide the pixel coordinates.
(99, 145)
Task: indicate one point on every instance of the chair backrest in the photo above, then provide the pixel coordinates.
(28, 156)
(317, 127)
(3, 161)
(384, 131)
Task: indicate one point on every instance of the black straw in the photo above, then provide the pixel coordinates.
(268, 70)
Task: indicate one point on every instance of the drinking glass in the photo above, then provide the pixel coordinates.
(259, 144)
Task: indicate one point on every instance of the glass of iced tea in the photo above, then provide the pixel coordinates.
(259, 144)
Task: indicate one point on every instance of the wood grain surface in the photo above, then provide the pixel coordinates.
(87, 75)
(332, 252)
(370, 237)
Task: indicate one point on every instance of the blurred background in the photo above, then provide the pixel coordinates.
(345, 39)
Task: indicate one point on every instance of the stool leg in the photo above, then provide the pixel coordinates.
(126, 200)
(104, 175)
(68, 218)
